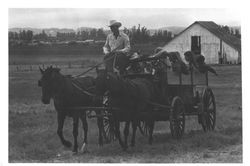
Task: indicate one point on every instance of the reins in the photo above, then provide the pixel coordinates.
(93, 67)
(83, 91)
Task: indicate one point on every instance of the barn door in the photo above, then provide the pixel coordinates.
(196, 44)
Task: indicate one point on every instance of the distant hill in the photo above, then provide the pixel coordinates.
(174, 29)
(35, 30)
(84, 29)
(48, 31)
(88, 29)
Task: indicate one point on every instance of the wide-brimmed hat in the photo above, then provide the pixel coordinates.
(114, 23)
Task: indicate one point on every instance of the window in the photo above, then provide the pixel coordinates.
(196, 44)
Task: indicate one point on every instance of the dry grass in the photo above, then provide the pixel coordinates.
(32, 128)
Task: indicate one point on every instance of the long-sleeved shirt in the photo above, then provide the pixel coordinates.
(121, 43)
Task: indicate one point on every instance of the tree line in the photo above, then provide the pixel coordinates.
(234, 32)
(142, 35)
(28, 36)
(136, 34)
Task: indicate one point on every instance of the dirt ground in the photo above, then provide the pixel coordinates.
(33, 138)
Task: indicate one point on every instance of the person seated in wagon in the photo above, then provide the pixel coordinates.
(116, 48)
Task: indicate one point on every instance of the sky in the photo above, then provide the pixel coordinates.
(100, 17)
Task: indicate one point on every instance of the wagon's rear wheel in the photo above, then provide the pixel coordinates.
(208, 110)
(108, 128)
(177, 118)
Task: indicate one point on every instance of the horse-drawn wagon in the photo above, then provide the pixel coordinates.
(146, 97)
(173, 101)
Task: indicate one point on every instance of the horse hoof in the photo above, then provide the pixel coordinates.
(84, 148)
(67, 144)
(75, 151)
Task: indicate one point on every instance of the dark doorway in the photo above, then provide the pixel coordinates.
(196, 44)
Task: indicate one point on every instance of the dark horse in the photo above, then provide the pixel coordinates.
(130, 96)
(64, 90)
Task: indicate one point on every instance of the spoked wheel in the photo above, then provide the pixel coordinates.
(177, 118)
(109, 134)
(144, 128)
(208, 110)
(108, 123)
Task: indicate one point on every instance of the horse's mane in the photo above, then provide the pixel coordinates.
(67, 89)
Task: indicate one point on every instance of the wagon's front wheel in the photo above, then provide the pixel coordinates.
(208, 110)
(109, 134)
(177, 118)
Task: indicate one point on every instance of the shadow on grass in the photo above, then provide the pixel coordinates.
(33, 138)
(164, 144)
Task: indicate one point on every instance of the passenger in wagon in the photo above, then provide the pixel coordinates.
(198, 61)
(116, 48)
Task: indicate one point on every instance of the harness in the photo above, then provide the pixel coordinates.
(74, 83)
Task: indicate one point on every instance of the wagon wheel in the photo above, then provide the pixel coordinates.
(144, 128)
(108, 128)
(108, 124)
(177, 118)
(208, 110)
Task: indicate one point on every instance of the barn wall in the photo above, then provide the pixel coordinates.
(230, 54)
(210, 44)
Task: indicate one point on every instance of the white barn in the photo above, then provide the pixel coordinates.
(208, 39)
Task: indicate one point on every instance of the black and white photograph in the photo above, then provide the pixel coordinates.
(124, 85)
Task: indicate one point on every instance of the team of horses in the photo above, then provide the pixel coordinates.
(123, 94)
(130, 95)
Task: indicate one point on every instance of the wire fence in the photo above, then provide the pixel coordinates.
(35, 67)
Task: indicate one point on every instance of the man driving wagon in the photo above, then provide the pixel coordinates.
(117, 47)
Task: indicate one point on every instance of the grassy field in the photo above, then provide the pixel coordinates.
(33, 138)
(77, 49)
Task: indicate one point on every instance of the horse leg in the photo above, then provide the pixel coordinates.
(60, 122)
(126, 133)
(75, 132)
(118, 135)
(151, 129)
(85, 129)
(135, 123)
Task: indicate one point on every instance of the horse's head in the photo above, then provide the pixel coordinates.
(101, 81)
(48, 83)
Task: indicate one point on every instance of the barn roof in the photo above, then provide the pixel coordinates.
(217, 31)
